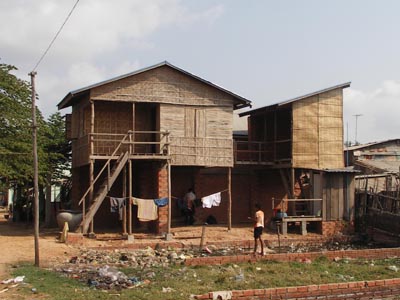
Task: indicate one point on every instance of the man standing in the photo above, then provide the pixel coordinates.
(188, 200)
(258, 228)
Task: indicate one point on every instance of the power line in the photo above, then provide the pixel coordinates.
(55, 37)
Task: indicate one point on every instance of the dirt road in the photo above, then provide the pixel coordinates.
(17, 244)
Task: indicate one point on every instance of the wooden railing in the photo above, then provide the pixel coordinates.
(136, 143)
(293, 208)
(262, 152)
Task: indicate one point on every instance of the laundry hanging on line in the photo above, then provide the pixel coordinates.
(147, 209)
(117, 205)
(161, 202)
(211, 200)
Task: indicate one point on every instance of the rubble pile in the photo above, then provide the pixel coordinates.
(100, 268)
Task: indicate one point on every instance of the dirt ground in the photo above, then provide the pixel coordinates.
(17, 241)
(17, 245)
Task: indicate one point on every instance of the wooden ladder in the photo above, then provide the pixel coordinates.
(102, 192)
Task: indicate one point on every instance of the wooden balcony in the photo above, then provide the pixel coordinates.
(155, 145)
(262, 153)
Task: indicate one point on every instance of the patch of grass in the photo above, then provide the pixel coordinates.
(179, 281)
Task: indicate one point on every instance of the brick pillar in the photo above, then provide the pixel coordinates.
(162, 182)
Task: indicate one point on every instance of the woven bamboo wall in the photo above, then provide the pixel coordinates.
(318, 131)
(199, 136)
(163, 99)
(80, 154)
(162, 85)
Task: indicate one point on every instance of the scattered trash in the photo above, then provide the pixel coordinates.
(17, 279)
(167, 290)
(34, 290)
(393, 268)
(207, 250)
(240, 276)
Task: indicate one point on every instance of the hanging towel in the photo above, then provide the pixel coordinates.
(211, 200)
(147, 209)
(117, 205)
(113, 205)
(161, 202)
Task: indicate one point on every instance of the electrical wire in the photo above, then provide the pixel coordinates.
(55, 37)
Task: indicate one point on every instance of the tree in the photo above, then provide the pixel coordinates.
(15, 126)
(16, 161)
(58, 158)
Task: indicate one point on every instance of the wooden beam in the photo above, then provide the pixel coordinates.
(229, 198)
(169, 198)
(129, 199)
(91, 167)
(124, 196)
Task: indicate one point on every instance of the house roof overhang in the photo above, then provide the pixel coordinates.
(282, 104)
(74, 96)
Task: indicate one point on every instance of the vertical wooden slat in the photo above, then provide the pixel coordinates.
(169, 197)
(91, 167)
(124, 196)
(129, 199)
(229, 198)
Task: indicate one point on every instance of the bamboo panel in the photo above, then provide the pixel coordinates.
(201, 152)
(331, 134)
(80, 148)
(305, 135)
(111, 118)
(302, 123)
(200, 123)
(330, 111)
(330, 122)
(219, 122)
(305, 161)
(337, 93)
(163, 85)
(305, 108)
(308, 148)
(335, 147)
(331, 161)
(190, 121)
(172, 118)
(75, 124)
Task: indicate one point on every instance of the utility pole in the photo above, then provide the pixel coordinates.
(355, 139)
(35, 169)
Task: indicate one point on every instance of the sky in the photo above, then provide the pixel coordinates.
(265, 51)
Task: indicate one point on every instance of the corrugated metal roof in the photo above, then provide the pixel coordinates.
(342, 86)
(361, 146)
(65, 102)
(379, 165)
(342, 170)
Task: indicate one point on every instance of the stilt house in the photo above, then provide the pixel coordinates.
(135, 134)
(294, 155)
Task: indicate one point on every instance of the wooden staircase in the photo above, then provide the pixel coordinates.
(102, 191)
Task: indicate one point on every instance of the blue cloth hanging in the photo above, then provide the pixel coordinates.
(161, 202)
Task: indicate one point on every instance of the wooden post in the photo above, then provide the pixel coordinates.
(229, 198)
(203, 233)
(91, 178)
(129, 199)
(91, 170)
(124, 196)
(35, 169)
(169, 197)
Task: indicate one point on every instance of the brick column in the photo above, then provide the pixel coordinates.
(162, 182)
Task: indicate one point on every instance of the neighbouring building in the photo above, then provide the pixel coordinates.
(295, 155)
(148, 134)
